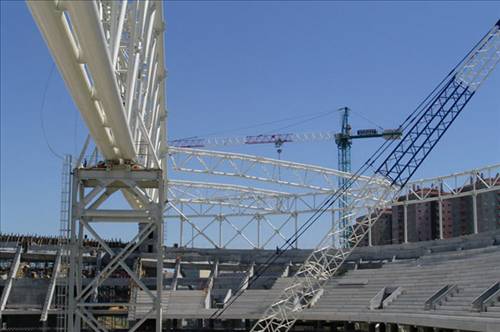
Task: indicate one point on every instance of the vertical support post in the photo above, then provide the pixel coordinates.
(220, 217)
(333, 230)
(144, 191)
(296, 227)
(159, 253)
(440, 217)
(73, 248)
(181, 230)
(405, 221)
(474, 204)
(258, 232)
(370, 234)
(192, 236)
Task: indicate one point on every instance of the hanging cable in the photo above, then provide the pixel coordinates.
(307, 117)
(366, 119)
(300, 122)
(42, 106)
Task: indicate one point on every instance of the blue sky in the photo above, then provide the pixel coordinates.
(236, 64)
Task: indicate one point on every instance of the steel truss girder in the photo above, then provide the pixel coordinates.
(205, 206)
(240, 199)
(472, 182)
(256, 168)
(244, 201)
(111, 56)
(92, 188)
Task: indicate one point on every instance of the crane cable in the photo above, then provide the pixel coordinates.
(306, 117)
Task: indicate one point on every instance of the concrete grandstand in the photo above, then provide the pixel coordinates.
(451, 284)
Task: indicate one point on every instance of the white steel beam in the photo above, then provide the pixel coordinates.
(256, 168)
(52, 287)
(14, 267)
(111, 57)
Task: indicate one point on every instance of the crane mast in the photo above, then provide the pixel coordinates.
(424, 128)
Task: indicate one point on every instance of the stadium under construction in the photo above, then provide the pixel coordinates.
(394, 253)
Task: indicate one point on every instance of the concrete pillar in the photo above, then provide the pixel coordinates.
(381, 327)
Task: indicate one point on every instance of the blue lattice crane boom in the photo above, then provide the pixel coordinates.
(394, 166)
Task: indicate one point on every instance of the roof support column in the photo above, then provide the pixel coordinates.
(138, 187)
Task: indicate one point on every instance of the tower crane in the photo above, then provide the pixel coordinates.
(343, 139)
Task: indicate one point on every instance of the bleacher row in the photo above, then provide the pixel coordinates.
(437, 287)
(451, 284)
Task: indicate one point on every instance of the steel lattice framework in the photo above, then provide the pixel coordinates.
(111, 57)
(213, 209)
(257, 168)
(423, 130)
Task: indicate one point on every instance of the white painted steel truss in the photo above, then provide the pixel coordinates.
(216, 214)
(91, 189)
(111, 56)
(256, 168)
(307, 284)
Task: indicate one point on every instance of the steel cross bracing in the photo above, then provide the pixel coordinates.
(255, 168)
(242, 199)
(246, 140)
(426, 127)
(111, 57)
(441, 109)
(213, 209)
(255, 216)
(92, 188)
